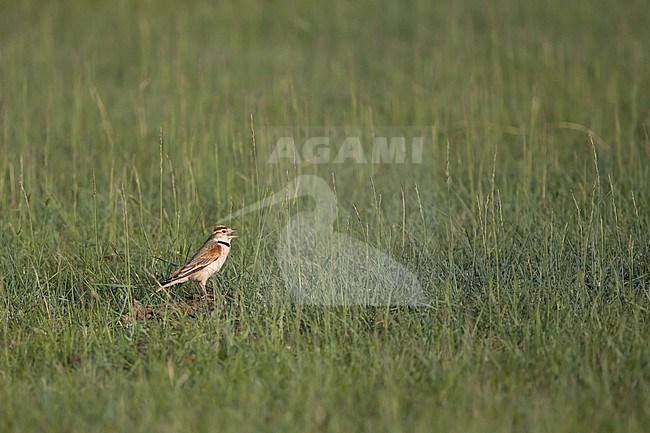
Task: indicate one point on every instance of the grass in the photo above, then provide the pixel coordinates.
(126, 133)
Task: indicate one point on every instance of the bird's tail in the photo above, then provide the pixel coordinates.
(168, 283)
(164, 284)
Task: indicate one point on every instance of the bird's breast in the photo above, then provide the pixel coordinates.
(217, 264)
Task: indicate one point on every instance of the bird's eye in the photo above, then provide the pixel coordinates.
(223, 231)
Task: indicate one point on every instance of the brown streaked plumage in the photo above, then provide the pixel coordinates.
(206, 262)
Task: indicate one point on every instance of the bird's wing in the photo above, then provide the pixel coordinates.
(208, 253)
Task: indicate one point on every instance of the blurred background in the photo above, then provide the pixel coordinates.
(128, 129)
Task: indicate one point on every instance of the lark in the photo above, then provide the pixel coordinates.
(206, 262)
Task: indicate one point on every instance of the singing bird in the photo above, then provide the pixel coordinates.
(206, 262)
(323, 267)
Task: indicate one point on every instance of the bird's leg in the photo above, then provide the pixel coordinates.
(205, 291)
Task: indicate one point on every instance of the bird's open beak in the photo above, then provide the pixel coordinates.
(231, 233)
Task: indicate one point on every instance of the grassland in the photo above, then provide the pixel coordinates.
(527, 222)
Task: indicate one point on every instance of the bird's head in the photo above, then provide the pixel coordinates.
(223, 233)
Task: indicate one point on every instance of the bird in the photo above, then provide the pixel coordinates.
(323, 267)
(205, 262)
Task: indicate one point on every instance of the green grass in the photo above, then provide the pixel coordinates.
(530, 235)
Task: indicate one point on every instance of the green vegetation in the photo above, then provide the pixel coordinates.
(527, 222)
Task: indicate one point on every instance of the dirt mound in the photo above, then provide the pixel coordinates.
(190, 306)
